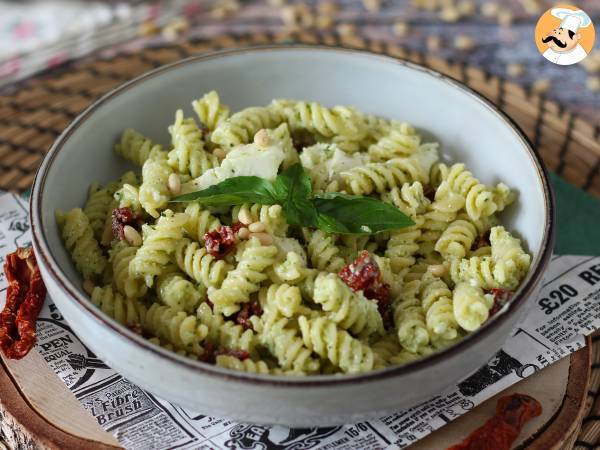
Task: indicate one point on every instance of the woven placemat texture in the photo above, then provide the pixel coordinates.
(35, 113)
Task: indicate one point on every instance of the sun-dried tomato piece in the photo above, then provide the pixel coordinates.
(381, 294)
(362, 274)
(247, 311)
(24, 299)
(483, 240)
(501, 298)
(209, 354)
(220, 242)
(238, 226)
(429, 192)
(499, 432)
(120, 218)
(239, 354)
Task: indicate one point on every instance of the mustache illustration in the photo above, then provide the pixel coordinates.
(556, 41)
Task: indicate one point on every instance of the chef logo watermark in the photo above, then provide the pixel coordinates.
(564, 35)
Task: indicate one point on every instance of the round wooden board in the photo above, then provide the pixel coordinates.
(37, 411)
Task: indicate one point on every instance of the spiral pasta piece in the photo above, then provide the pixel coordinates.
(284, 298)
(284, 342)
(188, 155)
(281, 136)
(385, 349)
(271, 216)
(410, 319)
(292, 270)
(246, 365)
(78, 236)
(128, 196)
(127, 284)
(505, 268)
(400, 142)
(200, 222)
(436, 301)
(177, 292)
(440, 213)
(158, 247)
(478, 270)
(457, 239)
(136, 148)
(511, 262)
(241, 127)
(323, 253)
(471, 306)
(210, 111)
(98, 206)
(154, 192)
(402, 246)
(323, 337)
(245, 278)
(410, 199)
(200, 265)
(181, 330)
(348, 309)
(381, 177)
(316, 118)
(126, 311)
(479, 199)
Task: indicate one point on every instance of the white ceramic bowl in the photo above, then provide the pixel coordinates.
(469, 129)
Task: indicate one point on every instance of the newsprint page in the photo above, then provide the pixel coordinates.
(567, 309)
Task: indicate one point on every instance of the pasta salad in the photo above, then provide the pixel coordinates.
(294, 239)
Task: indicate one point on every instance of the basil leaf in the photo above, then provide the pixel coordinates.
(233, 191)
(350, 214)
(292, 190)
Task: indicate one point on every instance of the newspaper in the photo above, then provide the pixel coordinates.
(567, 309)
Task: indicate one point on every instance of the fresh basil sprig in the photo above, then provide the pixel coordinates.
(331, 212)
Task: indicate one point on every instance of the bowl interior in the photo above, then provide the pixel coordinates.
(468, 129)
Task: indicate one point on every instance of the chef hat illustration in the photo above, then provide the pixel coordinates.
(571, 20)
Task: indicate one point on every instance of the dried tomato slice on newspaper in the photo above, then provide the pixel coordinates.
(499, 432)
(24, 299)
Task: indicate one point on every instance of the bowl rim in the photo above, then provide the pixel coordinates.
(525, 290)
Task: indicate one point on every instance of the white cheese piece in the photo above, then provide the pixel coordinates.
(340, 161)
(427, 156)
(244, 160)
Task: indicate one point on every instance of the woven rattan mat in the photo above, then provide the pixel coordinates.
(40, 108)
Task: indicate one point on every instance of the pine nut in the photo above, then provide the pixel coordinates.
(132, 236)
(437, 270)
(174, 184)
(88, 286)
(261, 138)
(219, 153)
(256, 227)
(245, 217)
(264, 238)
(244, 233)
